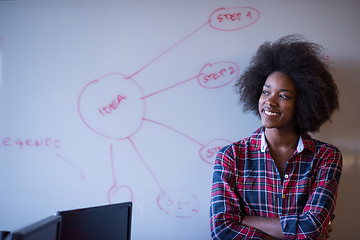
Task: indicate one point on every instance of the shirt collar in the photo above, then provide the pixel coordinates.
(264, 145)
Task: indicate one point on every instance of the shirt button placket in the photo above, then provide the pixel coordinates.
(286, 178)
(280, 201)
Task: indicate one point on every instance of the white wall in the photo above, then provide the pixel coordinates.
(159, 120)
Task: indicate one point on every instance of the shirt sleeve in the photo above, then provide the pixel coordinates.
(225, 209)
(312, 222)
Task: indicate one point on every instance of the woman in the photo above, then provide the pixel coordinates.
(280, 183)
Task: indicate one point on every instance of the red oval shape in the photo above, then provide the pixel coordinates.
(232, 19)
(179, 203)
(219, 74)
(209, 151)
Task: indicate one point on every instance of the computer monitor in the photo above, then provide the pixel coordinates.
(110, 222)
(46, 229)
(4, 235)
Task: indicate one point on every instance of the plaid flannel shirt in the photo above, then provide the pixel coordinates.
(246, 182)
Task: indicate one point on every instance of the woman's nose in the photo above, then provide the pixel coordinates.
(271, 101)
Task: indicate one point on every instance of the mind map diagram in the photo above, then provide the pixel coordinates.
(116, 99)
(106, 101)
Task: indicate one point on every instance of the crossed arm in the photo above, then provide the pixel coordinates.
(229, 221)
(272, 227)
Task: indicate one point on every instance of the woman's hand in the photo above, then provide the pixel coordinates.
(327, 232)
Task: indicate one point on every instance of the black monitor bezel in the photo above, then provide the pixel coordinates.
(29, 230)
(122, 205)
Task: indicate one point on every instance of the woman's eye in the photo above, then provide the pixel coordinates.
(265, 92)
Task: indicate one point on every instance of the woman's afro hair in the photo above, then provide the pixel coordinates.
(303, 62)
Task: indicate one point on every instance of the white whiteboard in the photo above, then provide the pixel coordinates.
(110, 101)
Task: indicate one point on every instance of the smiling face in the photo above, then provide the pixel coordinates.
(277, 102)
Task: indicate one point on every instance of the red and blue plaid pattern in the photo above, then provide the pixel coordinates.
(246, 182)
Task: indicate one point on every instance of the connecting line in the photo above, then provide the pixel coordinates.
(112, 164)
(173, 129)
(79, 171)
(165, 89)
(172, 47)
(147, 166)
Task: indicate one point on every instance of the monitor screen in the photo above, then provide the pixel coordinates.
(110, 222)
(46, 229)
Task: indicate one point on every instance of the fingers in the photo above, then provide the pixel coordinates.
(329, 228)
(327, 234)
